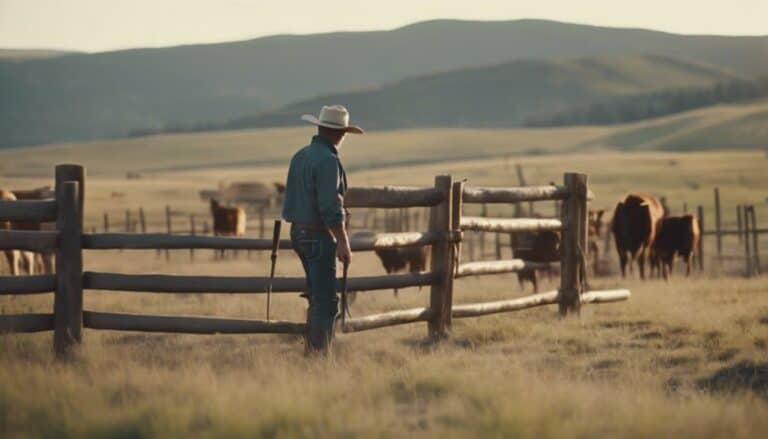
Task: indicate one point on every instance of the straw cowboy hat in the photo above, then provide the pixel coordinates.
(333, 116)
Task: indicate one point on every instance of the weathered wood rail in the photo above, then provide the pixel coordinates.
(444, 200)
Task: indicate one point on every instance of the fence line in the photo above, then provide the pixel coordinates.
(444, 200)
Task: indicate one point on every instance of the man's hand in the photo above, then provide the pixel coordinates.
(343, 252)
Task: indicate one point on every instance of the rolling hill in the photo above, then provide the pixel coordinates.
(721, 127)
(503, 95)
(86, 96)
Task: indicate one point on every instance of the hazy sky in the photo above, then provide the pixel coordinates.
(93, 25)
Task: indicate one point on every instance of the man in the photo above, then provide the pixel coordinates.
(314, 205)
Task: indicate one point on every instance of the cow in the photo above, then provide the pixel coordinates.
(675, 235)
(41, 262)
(227, 221)
(413, 259)
(634, 229)
(541, 247)
(11, 255)
(595, 229)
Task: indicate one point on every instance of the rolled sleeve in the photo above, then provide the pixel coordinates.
(329, 200)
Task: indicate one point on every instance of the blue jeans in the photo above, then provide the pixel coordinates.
(317, 251)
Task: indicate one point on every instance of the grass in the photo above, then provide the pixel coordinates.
(633, 369)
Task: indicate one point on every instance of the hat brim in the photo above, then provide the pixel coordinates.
(315, 121)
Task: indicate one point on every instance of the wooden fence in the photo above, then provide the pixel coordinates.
(444, 199)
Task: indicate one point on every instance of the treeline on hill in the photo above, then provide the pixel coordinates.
(656, 104)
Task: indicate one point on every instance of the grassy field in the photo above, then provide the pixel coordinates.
(687, 358)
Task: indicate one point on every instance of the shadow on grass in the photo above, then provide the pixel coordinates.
(743, 376)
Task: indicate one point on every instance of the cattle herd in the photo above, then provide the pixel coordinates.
(643, 235)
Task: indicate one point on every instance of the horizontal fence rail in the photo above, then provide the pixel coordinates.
(151, 241)
(391, 318)
(160, 283)
(36, 284)
(186, 324)
(474, 194)
(498, 267)
(28, 240)
(392, 196)
(26, 323)
(541, 299)
(28, 210)
(509, 225)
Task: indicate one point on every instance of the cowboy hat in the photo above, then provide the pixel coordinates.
(333, 116)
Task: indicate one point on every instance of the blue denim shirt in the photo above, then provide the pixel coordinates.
(314, 190)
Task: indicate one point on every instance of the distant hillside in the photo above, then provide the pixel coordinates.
(650, 105)
(25, 54)
(503, 95)
(84, 96)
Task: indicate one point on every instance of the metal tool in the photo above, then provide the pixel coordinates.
(273, 257)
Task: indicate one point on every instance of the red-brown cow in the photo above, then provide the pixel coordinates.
(676, 235)
(634, 228)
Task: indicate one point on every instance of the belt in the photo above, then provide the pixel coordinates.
(313, 227)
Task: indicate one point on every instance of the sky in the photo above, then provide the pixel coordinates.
(99, 25)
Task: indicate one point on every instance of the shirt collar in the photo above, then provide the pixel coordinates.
(323, 141)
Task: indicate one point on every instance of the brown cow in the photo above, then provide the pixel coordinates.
(227, 221)
(634, 228)
(414, 259)
(535, 247)
(675, 235)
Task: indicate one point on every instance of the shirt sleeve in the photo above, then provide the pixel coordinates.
(329, 200)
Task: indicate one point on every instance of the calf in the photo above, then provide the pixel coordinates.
(634, 228)
(595, 229)
(227, 221)
(535, 247)
(400, 258)
(676, 235)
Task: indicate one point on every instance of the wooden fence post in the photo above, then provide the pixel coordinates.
(441, 262)
(192, 232)
(718, 224)
(573, 248)
(457, 207)
(739, 227)
(484, 214)
(747, 252)
(142, 220)
(755, 243)
(168, 229)
(700, 249)
(68, 297)
(128, 220)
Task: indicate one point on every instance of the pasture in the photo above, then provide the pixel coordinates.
(684, 358)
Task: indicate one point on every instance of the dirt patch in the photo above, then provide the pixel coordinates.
(676, 361)
(632, 325)
(607, 364)
(744, 376)
(649, 335)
